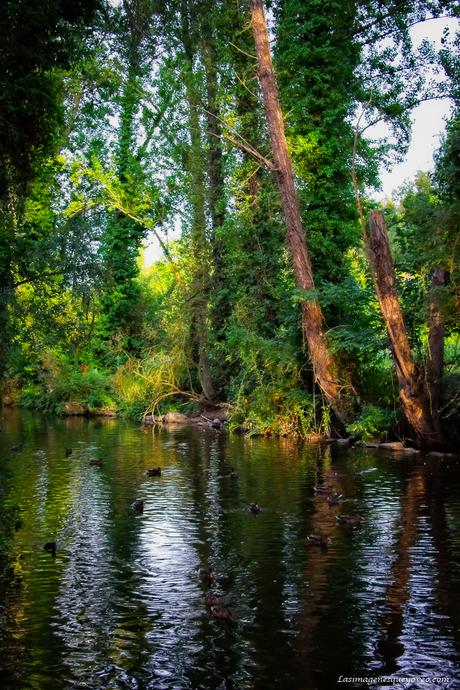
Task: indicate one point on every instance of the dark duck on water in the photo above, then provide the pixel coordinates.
(50, 546)
(206, 574)
(154, 472)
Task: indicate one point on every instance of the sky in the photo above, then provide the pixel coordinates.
(428, 120)
(428, 126)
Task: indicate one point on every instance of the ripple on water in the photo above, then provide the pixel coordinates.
(121, 604)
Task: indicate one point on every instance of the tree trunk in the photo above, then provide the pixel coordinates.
(324, 365)
(215, 171)
(436, 329)
(197, 196)
(412, 389)
(220, 308)
(123, 236)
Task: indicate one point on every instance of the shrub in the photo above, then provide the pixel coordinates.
(372, 422)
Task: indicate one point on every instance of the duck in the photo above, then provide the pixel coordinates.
(50, 546)
(254, 508)
(206, 574)
(96, 463)
(334, 498)
(17, 448)
(232, 474)
(317, 539)
(154, 472)
(222, 613)
(211, 600)
(138, 506)
(68, 451)
(352, 520)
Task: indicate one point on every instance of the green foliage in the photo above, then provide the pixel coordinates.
(373, 423)
(267, 392)
(62, 386)
(35, 41)
(10, 521)
(120, 143)
(316, 59)
(268, 411)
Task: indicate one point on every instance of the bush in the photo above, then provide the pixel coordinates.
(372, 422)
(269, 411)
(60, 382)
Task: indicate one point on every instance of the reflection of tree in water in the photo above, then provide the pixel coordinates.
(320, 566)
(421, 571)
(83, 611)
(389, 645)
(122, 602)
(448, 581)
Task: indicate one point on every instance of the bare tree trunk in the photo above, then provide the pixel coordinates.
(324, 365)
(436, 329)
(412, 389)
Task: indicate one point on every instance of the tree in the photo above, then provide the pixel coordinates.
(413, 389)
(122, 238)
(324, 365)
(316, 57)
(38, 42)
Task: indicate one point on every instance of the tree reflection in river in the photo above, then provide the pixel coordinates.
(121, 604)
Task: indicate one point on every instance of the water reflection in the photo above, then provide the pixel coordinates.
(121, 603)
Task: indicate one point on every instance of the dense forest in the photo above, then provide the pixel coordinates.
(241, 141)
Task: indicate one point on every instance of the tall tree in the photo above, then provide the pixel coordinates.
(38, 42)
(324, 366)
(123, 236)
(316, 57)
(412, 385)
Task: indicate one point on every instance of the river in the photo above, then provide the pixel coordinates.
(120, 604)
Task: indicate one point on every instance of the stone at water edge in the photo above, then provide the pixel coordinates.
(393, 445)
(175, 418)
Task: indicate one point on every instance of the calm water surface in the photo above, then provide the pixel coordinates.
(120, 606)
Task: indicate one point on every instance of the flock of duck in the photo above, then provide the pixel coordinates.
(333, 499)
(210, 599)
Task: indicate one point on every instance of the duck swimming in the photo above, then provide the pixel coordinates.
(334, 498)
(154, 472)
(50, 546)
(138, 506)
(68, 451)
(211, 600)
(206, 574)
(95, 463)
(254, 508)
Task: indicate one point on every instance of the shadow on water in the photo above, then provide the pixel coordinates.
(120, 605)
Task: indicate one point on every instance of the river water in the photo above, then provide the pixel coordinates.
(120, 605)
